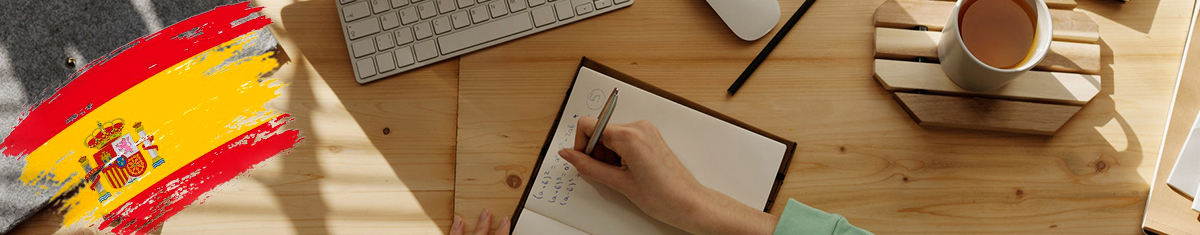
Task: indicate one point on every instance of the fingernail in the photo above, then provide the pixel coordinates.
(484, 213)
(457, 222)
(564, 153)
(506, 218)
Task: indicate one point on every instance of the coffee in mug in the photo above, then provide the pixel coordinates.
(988, 43)
(999, 33)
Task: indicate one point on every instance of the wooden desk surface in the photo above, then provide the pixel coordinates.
(1167, 211)
(860, 155)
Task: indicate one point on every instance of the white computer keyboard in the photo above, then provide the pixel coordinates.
(387, 37)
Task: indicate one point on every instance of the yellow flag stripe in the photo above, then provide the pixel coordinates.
(189, 109)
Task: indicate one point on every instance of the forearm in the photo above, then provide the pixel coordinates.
(716, 213)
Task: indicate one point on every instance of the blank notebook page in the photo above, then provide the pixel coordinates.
(1186, 175)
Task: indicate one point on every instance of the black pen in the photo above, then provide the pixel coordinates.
(770, 46)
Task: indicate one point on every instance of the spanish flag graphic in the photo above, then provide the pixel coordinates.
(145, 131)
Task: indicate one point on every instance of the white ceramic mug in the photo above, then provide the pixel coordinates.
(969, 73)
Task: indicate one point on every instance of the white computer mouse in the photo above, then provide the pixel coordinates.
(749, 19)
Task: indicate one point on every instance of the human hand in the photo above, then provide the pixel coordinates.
(481, 228)
(654, 179)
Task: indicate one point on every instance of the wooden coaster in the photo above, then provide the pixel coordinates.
(1038, 102)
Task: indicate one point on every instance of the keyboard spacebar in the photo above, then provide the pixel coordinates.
(485, 33)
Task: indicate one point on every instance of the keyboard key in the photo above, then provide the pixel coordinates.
(408, 15)
(445, 6)
(442, 25)
(356, 11)
(498, 9)
(564, 9)
(399, 3)
(391, 36)
(385, 41)
(385, 61)
(366, 68)
(465, 3)
(583, 9)
(389, 20)
(478, 14)
(363, 28)
(363, 47)
(516, 5)
(404, 56)
(379, 5)
(426, 50)
(483, 33)
(543, 16)
(404, 36)
(426, 10)
(460, 19)
(422, 30)
(601, 4)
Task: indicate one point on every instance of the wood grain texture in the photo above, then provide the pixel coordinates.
(347, 176)
(1069, 25)
(902, 44)
(1168, 212)
(985, 114)
(1010, 108)
(1033, 86)
(1055, 4)
(860, 155)
(1061, 4)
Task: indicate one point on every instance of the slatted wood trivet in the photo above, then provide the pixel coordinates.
(1038, 102)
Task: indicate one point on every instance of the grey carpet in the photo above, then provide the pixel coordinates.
(36, 40)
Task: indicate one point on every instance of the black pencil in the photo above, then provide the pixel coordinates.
(770, 46)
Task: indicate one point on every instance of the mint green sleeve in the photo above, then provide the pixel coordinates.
(798, 218)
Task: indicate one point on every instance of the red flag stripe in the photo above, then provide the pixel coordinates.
(138, 60)
(181, 188)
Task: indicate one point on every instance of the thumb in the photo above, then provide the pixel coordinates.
(612, 176)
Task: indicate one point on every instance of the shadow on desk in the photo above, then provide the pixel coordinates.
(409, 119)
(301, 171)
(906, 179)
(1137, 15)
(1096, 172)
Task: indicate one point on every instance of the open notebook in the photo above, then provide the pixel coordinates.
(1185, 176)
(727, 155)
